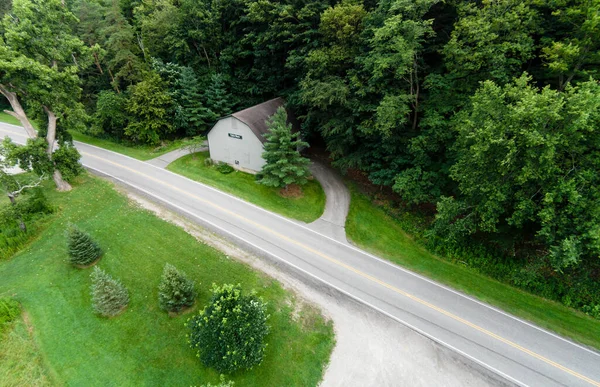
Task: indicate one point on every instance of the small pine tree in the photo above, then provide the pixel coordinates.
(175, 291)
(229, 333)
(284, 164)
(109, 296)
(82, 249)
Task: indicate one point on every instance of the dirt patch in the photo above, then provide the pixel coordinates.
(89, 264)
(370, 349)
(292, 191)
(183, 311)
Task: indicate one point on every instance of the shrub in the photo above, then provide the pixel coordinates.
(9, 311)
(83, 250)
(175, 291)
(109, 296)
(208, 162)
(222, 383)
(229, 333)
(224, 168)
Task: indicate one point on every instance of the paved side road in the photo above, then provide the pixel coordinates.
(521, 352)
(333, 221)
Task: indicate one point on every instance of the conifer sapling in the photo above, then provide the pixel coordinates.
(82, 249)
(109, 296)
(176, 291)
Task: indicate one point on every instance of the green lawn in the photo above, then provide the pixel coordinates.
(140, 152)
(144, 346)
(243, 185)
(373, 230)
(9, 119)
(21, 363)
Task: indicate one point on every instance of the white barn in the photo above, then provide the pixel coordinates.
(238, 139)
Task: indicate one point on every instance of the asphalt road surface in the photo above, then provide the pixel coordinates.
(508, 346)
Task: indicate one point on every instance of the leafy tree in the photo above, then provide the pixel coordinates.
(284, 164)
(109, 296)
(148, 105)
(39, 61)
(110, 117)
(124, 56)
(82, 249)
(175, 291)
(229, 333)
(527, 160)
(572, 40)
(12, 186)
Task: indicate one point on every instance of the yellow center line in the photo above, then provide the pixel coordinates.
(360, 273)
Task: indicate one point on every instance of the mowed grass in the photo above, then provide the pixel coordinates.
(370, 228)
(9, 119)
(140, 152)
(144, 346)
(307, 208)
(20, 361)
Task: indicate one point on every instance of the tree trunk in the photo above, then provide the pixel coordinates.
(61, 184)
(22, 225)
(18, 111)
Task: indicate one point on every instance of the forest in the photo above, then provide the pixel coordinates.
(483, 115)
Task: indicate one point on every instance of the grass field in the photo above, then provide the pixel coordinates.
(243, 185)
(140, 152)
(21, 363)
(373, 230)
(144, 346)
(9, 119)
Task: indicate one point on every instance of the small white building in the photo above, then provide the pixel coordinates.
(238, 139)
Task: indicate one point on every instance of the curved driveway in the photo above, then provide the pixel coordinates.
(517, 350)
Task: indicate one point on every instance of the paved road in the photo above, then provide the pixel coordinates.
(521, 352)
(333, 221)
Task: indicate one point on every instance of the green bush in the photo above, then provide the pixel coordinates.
(222, 383)
(9, 311)
(175, 291)
(229, 333)
(208, 162)
(224, 168)
(109, 296)
(82, 249)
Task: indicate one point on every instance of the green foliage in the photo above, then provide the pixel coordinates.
(229, 333)
(9, 311)
(109, 296)
(149, 103)
(175, 291)
(217, 98)
(527, 158)
(283, 163)
(110, 118)
(224, 168)
(222, 383)
(82, 249)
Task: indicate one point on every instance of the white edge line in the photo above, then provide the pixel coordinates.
(347, 246)
(429, 336)
(364, 252)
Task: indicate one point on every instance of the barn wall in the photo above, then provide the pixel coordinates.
(247, 151)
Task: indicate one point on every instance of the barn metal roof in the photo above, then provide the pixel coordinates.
(256, 117)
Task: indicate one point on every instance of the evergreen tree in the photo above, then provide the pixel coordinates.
(229, 333)
(109, 296)
(217, 98)
(284, 164)
(175, 291)
(197, 116)
(83, 250)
